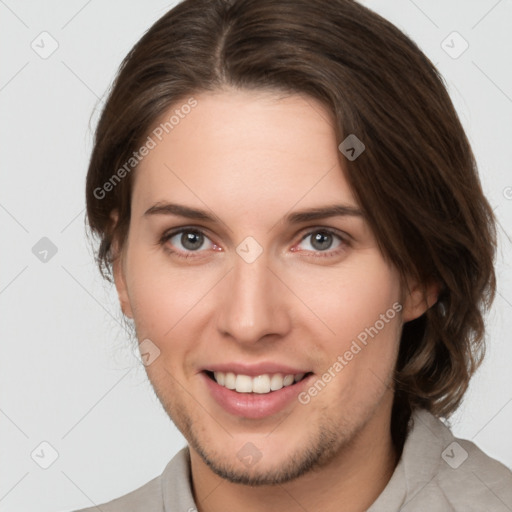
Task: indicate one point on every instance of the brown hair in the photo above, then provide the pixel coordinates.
(416, 181)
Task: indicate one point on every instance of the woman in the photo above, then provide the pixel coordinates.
(291, 213)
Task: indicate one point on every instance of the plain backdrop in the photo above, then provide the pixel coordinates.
(68, 376)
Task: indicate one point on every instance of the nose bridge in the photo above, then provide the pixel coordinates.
(252, 303)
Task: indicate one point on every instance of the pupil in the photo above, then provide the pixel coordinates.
(322, 241)
(191, 240)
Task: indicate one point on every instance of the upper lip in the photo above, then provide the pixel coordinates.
(253, 370)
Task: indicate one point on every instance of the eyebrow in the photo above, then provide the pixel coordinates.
(336, 210)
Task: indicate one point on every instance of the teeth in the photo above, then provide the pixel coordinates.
(276, 382)
(260, 384)
(220, 377)
(229, 380)
(243, 384)
(288, 380)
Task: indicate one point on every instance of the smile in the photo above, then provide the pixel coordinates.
(261, 384)
(253, 396)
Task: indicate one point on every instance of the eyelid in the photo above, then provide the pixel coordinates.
(178, 229)
(170, 233)
(343, 236)
(333, 231)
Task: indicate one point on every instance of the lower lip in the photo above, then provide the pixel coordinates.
(254, 405)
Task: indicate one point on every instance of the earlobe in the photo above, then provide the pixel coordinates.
(419, 298)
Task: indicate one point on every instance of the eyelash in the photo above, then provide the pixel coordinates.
(190, 254)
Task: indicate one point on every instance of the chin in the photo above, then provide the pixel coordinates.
(249, 465)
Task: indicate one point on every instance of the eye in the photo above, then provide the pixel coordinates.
(187, 240)
(322, 240)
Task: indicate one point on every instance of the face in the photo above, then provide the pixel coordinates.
(234, 273)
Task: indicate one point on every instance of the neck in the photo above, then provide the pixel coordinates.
(351, 481)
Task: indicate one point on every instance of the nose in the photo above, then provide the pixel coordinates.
(253, 303)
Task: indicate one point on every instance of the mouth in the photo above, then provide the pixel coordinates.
(266, 383)
(256, 390)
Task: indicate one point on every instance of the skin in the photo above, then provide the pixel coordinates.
(250, 158)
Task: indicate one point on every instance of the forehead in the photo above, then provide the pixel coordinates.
(249, 150)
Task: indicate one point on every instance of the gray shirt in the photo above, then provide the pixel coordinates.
(436, 473)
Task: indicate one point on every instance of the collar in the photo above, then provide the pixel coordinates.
(417, 467)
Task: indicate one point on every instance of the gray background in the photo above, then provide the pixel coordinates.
(68, 376)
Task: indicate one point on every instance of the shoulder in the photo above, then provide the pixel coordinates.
(455, 472)
(470, 479)
(168, 491)
(148, 497)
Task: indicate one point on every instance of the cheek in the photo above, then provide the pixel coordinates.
(360, 347)
(360, 357)
(353, 297)
(167, 302)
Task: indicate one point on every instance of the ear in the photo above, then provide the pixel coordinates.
(119, 272)
(418, 298)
